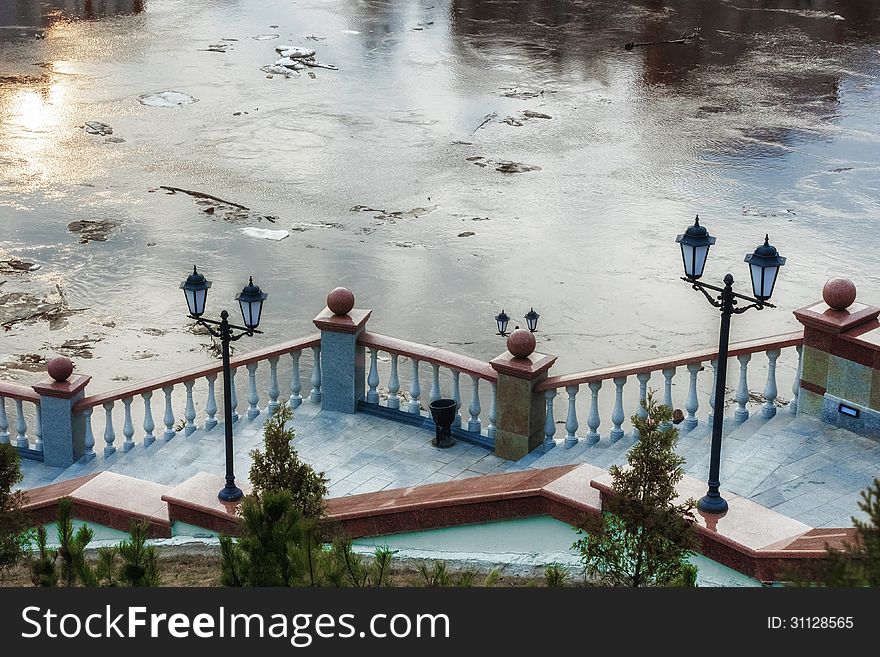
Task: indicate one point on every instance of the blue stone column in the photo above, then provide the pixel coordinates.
(343, 363)
(63, 432)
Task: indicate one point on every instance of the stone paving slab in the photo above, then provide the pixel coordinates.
(800, 467)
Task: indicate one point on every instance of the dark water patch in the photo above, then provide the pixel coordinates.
(46, 13)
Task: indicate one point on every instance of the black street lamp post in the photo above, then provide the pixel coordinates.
(251, 299)
(764, 266)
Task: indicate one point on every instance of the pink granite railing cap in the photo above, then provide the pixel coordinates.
(823, 317)
(62, 389)
(655, 364)
(241, 360)
(353, 322)
(428, 354)
(531, 367)
(15, 391)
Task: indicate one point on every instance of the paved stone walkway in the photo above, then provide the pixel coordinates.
(804, 469)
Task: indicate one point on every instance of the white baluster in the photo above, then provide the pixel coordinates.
(642, 412)
(768, 410)
(415, 390)
(571, 423)
(373, 377)
(149, 425)
(315, 395)
(169, 414)
(593, 418)
(393, 385)
(38, 429)
(4, 423)
(668, 374)
(692, 404)
(434, 395)
(295, 384)
(741, 414)
(211, 404)
(617, 416)
(88, 436)
(273, 404)
(456, 395)
(127, 426)
(21, 439)
(474, 424)
(796, 386)
(189, 411)
(549, 422)
(233, 395)
(253, 396)
(109, 433)
(714, 365)
(493, 414)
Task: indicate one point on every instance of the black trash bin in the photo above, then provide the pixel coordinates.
(443, 412)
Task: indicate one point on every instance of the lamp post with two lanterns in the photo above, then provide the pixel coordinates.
(764, 266)
(502, 319)
(250, 299)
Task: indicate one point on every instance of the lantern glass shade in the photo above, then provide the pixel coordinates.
(764, 266)
(195, 289)
(695, 243)
(251, 300)
(502, 319)
(532, 320)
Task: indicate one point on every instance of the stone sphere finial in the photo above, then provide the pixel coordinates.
(839, 293)
(340, 301)
(521, 343)
(60, 368)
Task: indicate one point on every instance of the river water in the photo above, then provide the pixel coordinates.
(766, 123)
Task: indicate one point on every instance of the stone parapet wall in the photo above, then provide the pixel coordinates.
(840, 379)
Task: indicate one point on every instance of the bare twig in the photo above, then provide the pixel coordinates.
(203, 195)
(684, 38)
(486, 120)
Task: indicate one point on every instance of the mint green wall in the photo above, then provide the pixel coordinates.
(102, 533)
(526, 542)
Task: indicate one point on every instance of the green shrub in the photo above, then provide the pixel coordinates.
(268, 551)
(42, 566)
(644, 537)
(131, 563)
(555, 575)
(438, 575)
(358, 572)
(13, 521)
(279, 468)
(858, 563)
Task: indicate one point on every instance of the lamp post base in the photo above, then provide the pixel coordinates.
(712, 504)
(230, 494)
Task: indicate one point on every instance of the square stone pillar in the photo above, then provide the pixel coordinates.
(520, 410)
(63, 433)
(343, 364)
(840, 379)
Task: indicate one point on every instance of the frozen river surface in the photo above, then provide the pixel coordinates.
(385, 173)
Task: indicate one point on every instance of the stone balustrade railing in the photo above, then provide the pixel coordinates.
(352, 369)
(19, 396)
(692, 363)
(183, 386)
(444, 369)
